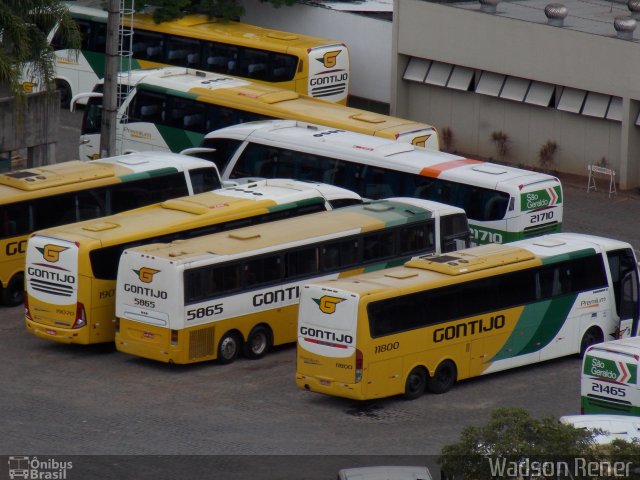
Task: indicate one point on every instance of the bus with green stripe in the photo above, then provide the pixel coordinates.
(50, 195)
(309, 65)
(70, 275)
(212, 297)
(503, 203)
(173, 108)
(610, 378)
(444, 318)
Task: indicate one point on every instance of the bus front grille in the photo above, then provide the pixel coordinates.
(201, 343)
(51, 288)
(538, 230)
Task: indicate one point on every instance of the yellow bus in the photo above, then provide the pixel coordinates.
(314, 66)
(443, 318)
(41, 197)
(70, 273)
(210, 297)
(173, 108)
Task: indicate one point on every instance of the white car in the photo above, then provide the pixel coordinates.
(623, 427)
(385, 473)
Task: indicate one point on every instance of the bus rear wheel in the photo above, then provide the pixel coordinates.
(258, 342)
(228, 348)
(415, 384)
(443, 378)
(590, 337)
(14, 293)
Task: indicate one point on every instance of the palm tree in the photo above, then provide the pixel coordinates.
(24, 25)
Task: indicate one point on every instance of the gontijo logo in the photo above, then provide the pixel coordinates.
(51, 253)
(330, 59)
(420, 141)
(146, 274)
(327, 303)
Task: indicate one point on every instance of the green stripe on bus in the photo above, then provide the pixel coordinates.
(169, 91)
(592, 405)
(96, 62)
(585, 252)
(537, 326)
(300, 203)
(152, 173)
(177, 139)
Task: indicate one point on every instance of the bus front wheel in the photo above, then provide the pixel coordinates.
(14, 293)
(228, 348)
(415, 384)
(443, 378)
(590, 337)
(258, 343)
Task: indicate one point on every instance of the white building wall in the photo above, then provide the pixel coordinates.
(368, 40)
(530, 50)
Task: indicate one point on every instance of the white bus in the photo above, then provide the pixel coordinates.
(502, 203)
(610, 377)
(204, 298)
(173, 109)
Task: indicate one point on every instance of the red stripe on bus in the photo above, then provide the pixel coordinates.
(436, 170)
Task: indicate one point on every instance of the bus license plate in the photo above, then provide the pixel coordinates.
(51, 332)
(325, 382)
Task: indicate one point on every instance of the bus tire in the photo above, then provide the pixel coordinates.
(228, 348)
(416, 383)
(590, 337)
(258, 342)
(65, 93)
(443, 378)
(14, 293)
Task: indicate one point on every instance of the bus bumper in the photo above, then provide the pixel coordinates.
(336, 389)
(141, 349)
(61, 335)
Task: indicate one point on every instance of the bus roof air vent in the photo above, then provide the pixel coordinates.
(368, 117)
(382, 206)
(400, 274)
(132, 160)
(491, 169)
(244, 235)
(471, 260)
(282, 36)
(549, 242)
(277, 97)
(100, 226)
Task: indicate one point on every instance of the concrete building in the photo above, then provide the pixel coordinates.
(482, 69)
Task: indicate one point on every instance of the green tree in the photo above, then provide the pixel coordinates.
(23, 41)
(512, 437)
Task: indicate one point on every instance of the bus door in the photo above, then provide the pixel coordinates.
(624, 278)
